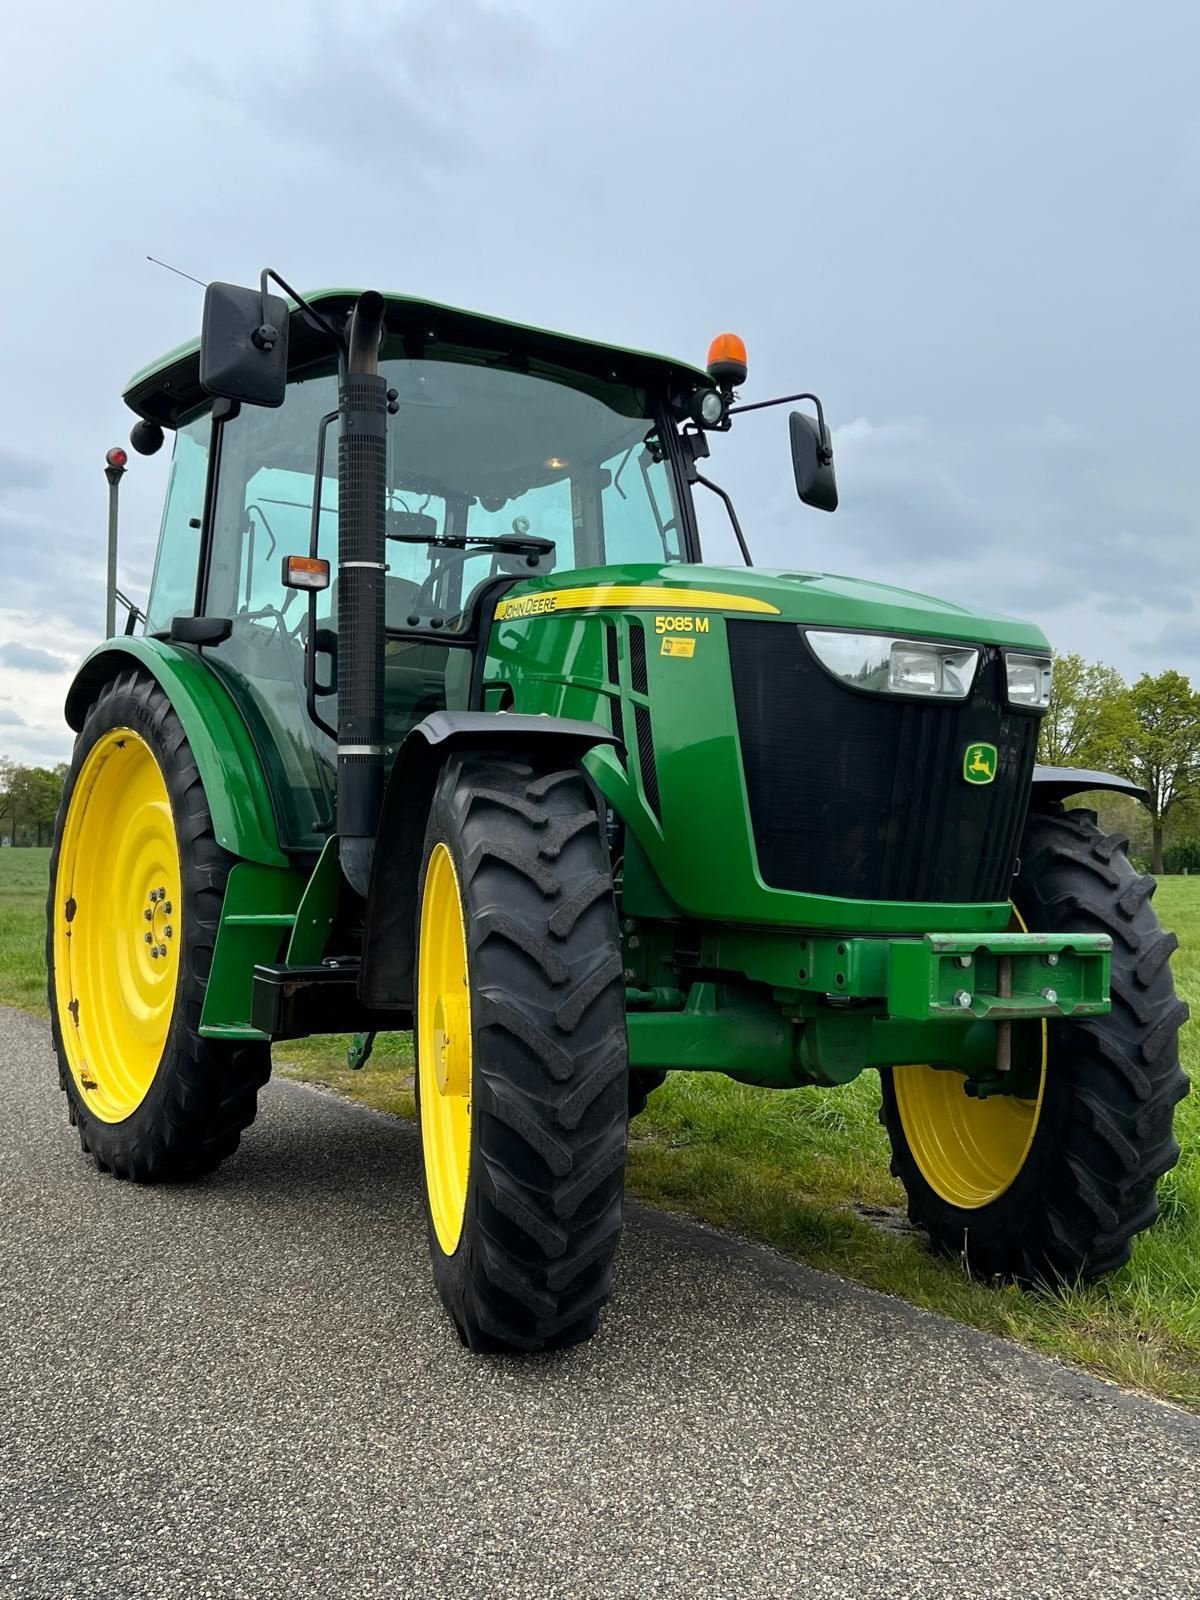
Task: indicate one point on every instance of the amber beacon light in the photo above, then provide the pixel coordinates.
(727, 361)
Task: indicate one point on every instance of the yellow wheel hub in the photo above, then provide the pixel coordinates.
(969, 1151)
(444, 1048)
(118, 919)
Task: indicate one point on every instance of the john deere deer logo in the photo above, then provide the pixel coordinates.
(979, 763)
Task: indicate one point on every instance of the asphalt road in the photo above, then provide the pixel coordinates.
(246, 1387)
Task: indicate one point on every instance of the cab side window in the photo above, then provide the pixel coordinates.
(173, 587)
(263, 513)
(637, 496)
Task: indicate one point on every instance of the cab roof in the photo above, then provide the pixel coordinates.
(168, 390)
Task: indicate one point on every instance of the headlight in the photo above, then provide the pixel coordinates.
(897, 666)
(1029, 680)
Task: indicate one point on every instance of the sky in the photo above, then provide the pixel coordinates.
(972, 228)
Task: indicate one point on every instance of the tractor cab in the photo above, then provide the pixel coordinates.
(509, 453)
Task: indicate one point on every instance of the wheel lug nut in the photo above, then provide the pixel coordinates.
(167, 908)
(169, 931)
(149, 938)
(148, 914)
(154, 953)
(162, 949)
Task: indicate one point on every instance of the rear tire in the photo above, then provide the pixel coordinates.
(524, 1232)
(152, 1099)
(1088, 1182)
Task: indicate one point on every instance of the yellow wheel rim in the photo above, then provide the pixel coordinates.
(444, 1048)
(118, 922)
(969, 1151)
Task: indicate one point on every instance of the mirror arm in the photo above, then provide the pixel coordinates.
(825, 450)
(312, 315)
(716, 488)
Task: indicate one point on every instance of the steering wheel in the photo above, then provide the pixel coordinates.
(450, 558)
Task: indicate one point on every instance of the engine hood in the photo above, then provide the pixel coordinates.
(820, 599)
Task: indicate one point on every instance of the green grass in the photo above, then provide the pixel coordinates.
(23, 928)
(807, 1171)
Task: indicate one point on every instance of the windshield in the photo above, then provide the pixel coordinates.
(474, 451)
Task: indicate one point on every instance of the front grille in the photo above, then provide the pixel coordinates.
(862, 795)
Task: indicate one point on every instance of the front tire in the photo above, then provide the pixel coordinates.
(137, 881)
(522, 1060)
(1058, 1187)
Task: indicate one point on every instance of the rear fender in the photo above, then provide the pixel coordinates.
(225, 756)
(389, 938)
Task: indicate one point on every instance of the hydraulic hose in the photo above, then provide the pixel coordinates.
(362, 491)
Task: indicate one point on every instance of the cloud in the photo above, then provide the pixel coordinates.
(414, 91)
(27, 658)
(1036, 516)
(983, 270)
(10, 719)
(903, 486)
(1178, 642)
(21, 471)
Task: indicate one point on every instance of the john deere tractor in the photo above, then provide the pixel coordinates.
(437, 719)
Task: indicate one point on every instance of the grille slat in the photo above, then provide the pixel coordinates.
(646, 761)
(610, 649)
(612, 657)
(861, 795)
(637, 658)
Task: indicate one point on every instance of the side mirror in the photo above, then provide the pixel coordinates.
(812, 462)
(244, 345)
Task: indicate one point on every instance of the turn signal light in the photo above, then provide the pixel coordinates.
(305, 572)
(727, 361)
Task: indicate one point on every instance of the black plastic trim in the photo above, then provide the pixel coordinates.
(1059, 783)
(199, 630)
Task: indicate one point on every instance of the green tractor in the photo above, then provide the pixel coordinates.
(437, 720)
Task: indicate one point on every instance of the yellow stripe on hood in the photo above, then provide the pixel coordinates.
(628, 596)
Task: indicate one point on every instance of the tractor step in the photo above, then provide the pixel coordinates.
(292, 1002)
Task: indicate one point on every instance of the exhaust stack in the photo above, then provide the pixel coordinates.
(362, 491)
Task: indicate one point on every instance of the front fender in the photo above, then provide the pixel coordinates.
(1059, 783)
(389, 951)
(228, 763)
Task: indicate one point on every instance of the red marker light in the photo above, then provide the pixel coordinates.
(116, 457)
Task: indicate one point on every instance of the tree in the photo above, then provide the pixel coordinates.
(1160, 750)
(29, 799)
(8, 812)
(1089, 716)
(44, 792)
